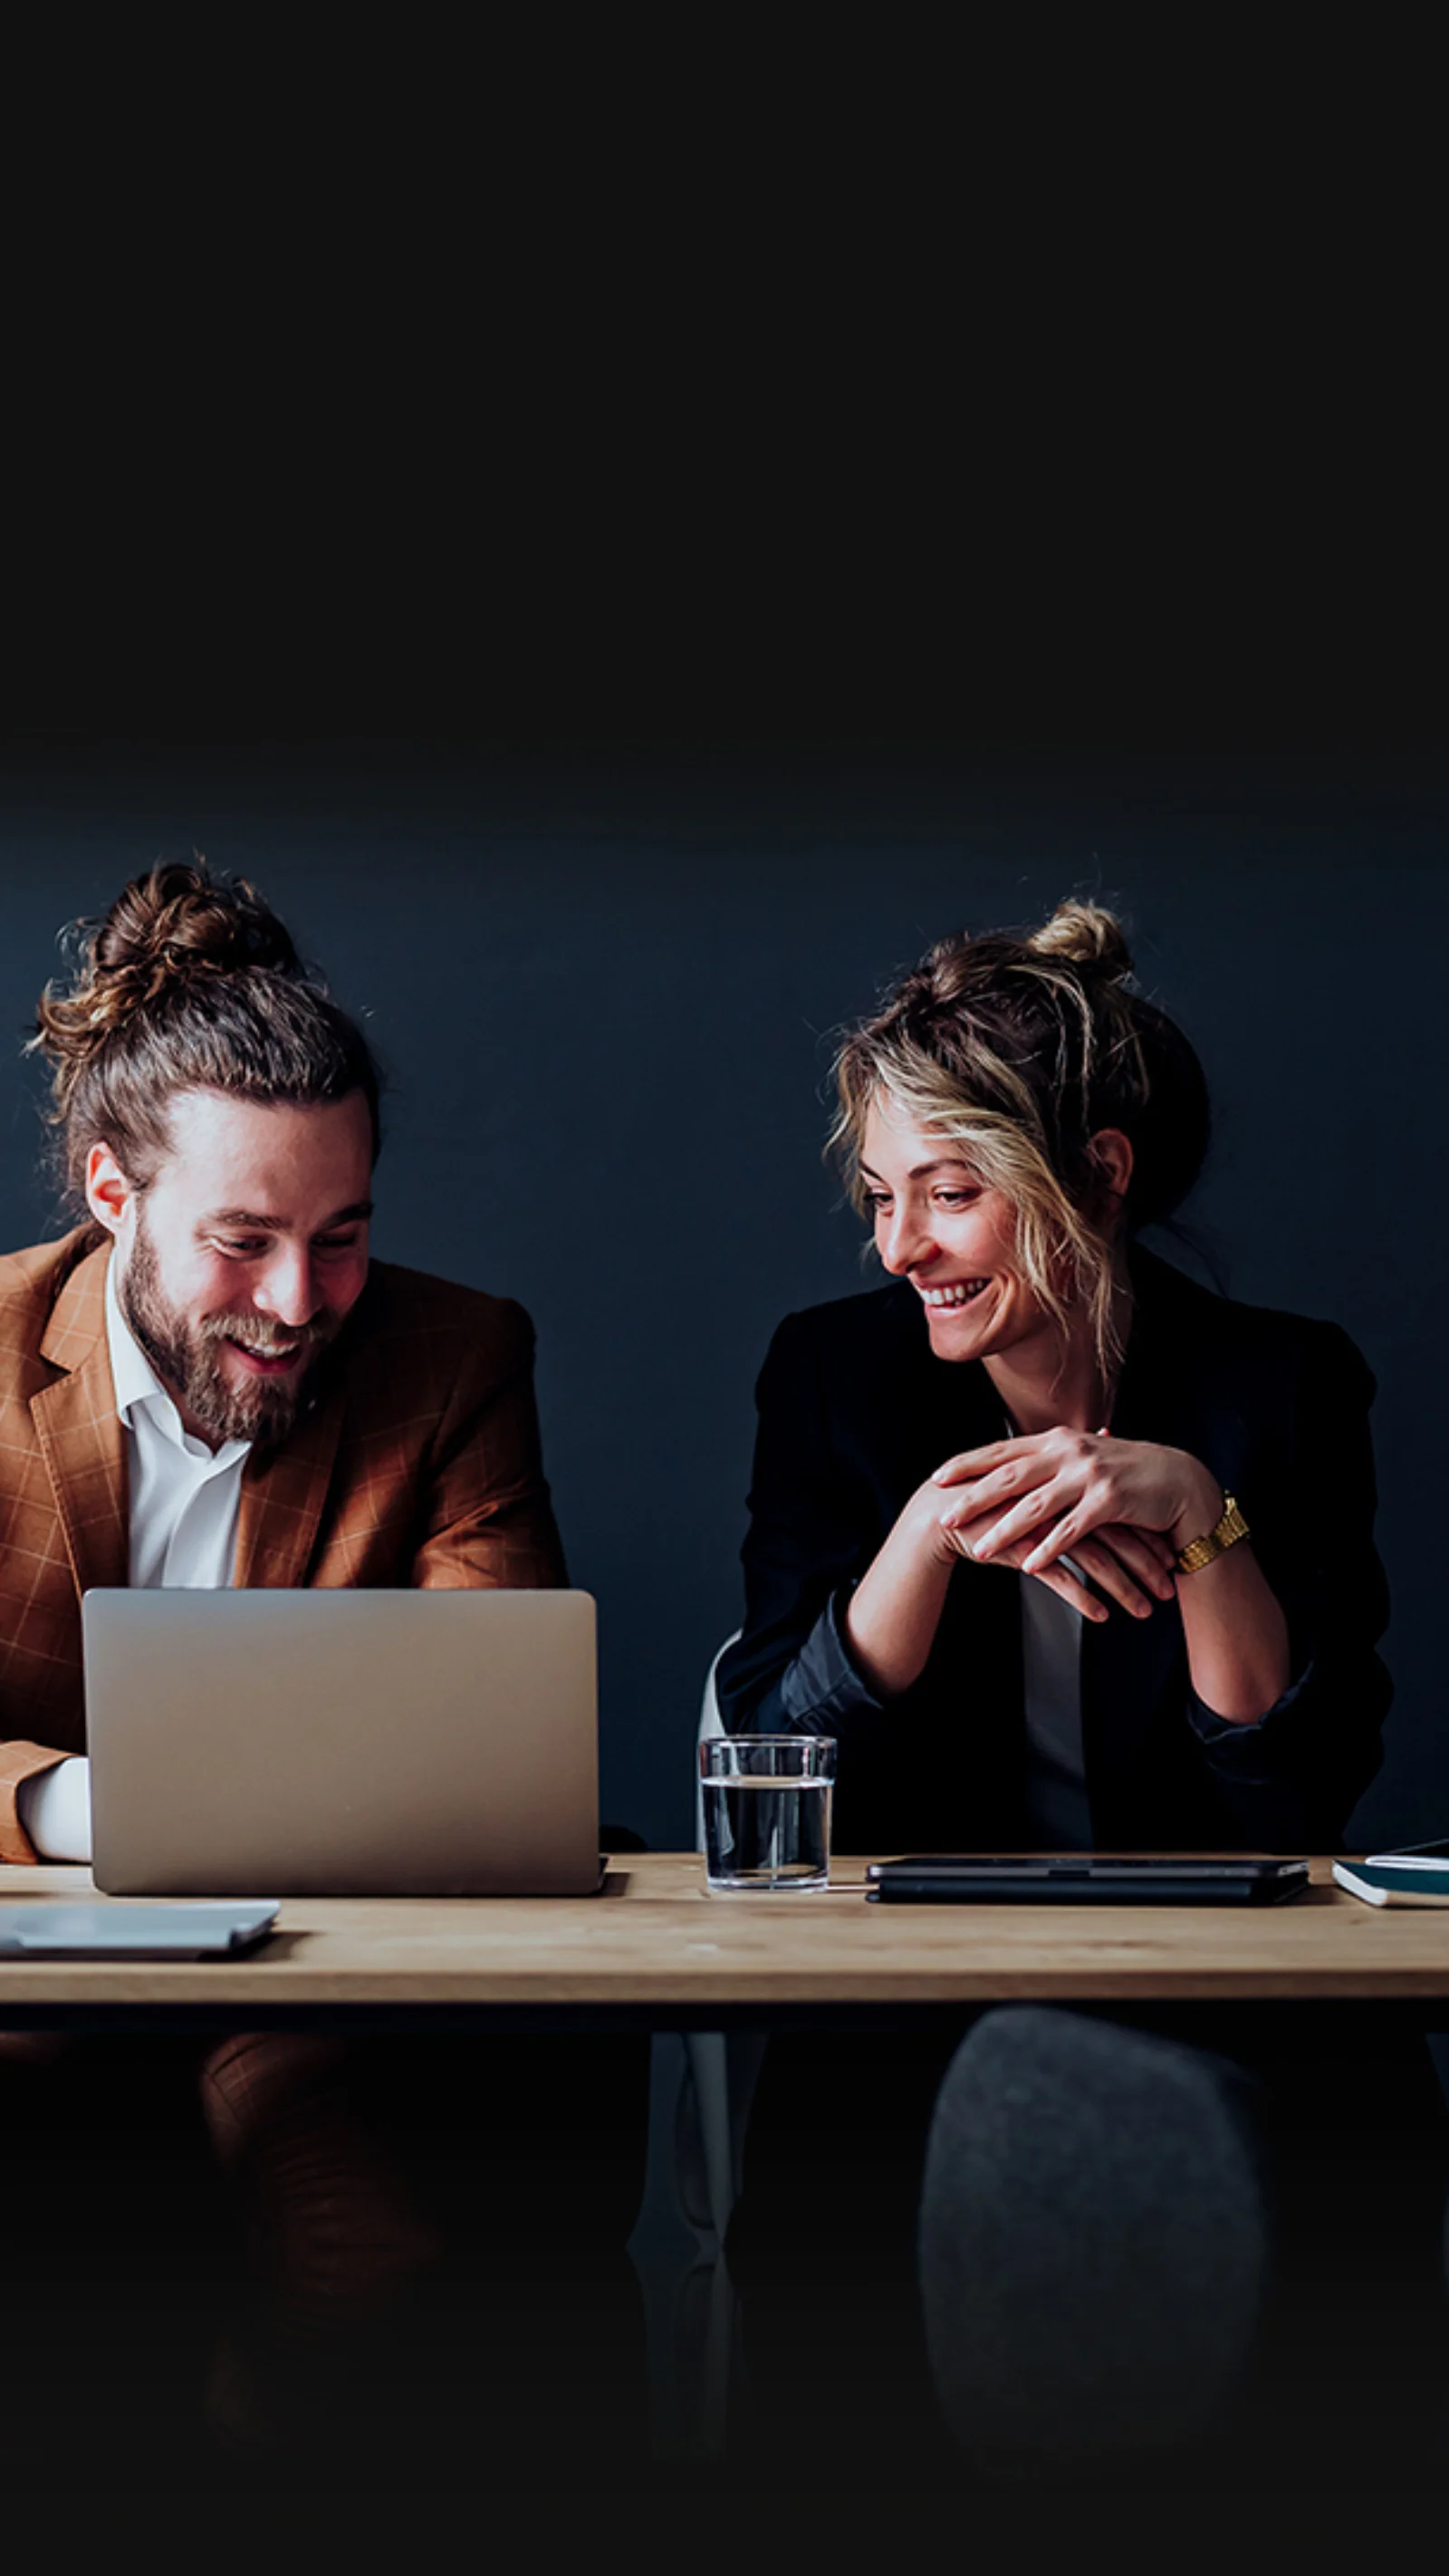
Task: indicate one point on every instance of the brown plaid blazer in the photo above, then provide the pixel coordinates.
(418, 1464)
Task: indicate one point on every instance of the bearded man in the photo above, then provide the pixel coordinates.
(208, 1383)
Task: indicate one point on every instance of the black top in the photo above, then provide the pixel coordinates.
(855, 1413)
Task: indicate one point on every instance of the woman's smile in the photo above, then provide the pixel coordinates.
(953, 1292)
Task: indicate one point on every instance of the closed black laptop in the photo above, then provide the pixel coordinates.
(1046, 1878)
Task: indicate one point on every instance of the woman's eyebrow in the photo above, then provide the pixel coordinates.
(922, 1171)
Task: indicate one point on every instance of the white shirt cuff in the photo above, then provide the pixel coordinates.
(55, 1809)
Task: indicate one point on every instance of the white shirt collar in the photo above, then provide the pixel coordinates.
(138, 1386)
(132, 1375)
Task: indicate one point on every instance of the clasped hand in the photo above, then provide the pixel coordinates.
(1118, 1509)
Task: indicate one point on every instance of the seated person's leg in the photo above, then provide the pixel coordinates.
(1094, 2242)
(118, 2267)
(334, 2220)
(442, 2226)
(1135, 2244)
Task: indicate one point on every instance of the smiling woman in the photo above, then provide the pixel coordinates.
(1063, 1551)
(1037, 1530)
(1024, 1062)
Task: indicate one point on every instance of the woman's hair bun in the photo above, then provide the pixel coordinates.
(1085, 934)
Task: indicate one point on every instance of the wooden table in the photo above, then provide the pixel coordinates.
(654, 1950)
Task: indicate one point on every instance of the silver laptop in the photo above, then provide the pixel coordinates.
(342, 1743)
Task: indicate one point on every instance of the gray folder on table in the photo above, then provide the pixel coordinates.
(48, 1927)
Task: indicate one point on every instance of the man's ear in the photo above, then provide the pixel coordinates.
(1112, 1161)
(108, 1192)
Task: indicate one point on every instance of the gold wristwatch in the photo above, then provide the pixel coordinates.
(1201, 1551)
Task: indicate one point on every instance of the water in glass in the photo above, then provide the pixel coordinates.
(766, 1832)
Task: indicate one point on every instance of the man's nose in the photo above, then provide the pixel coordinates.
(287, 1287)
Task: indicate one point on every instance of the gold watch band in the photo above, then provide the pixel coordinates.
(1201, 1551)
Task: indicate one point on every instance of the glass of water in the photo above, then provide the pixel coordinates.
(766, 1805)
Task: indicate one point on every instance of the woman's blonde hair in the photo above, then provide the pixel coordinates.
(1021, 1048)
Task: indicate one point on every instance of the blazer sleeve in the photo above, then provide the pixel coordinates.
(485, 1517)
(1292, 1780)
(809, 1541)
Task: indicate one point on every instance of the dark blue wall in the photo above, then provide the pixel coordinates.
(605, 991)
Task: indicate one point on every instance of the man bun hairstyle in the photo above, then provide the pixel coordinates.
(189, 983)
(1021, 1047)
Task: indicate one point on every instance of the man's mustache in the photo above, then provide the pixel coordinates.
(265, 1339)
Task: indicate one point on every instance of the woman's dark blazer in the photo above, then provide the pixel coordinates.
(855, 1413)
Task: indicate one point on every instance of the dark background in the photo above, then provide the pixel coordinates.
(603, 978)
(628, 530)
(628, 537)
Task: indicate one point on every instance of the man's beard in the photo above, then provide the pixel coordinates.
(186, 1356)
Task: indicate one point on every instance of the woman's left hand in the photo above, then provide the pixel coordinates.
(1054, 1488)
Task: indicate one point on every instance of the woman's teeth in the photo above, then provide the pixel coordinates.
(960, 1293)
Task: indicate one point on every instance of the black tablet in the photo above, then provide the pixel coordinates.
(1069, 1878)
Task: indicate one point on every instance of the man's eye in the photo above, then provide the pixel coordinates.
(244, 1247)
(337, 1243)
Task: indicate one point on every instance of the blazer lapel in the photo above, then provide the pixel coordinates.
(283, 1493)
(80, 1432)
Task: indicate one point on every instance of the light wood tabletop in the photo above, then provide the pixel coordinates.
(653, 1945)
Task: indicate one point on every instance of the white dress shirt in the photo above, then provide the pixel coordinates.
(183, 1497)
(183, 1504)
